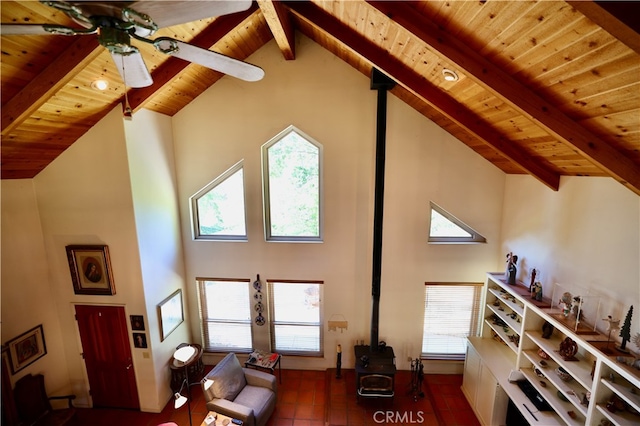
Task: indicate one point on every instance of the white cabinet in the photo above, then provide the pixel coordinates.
(491, 400)
(471, 375)
(596, 387)
(482, 389)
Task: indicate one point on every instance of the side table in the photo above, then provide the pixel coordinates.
(217, 419)
(195, 368)
(266, 361)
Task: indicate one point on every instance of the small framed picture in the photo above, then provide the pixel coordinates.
(26, 348)
(90, 269)
(137, 322)
(171, 314)
(140, 340)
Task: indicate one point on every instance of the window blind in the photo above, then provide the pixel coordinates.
(226, 314)
(451, 314)
(296, 322)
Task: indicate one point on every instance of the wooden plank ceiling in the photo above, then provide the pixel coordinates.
(548, 88)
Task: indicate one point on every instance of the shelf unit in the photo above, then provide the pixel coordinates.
(503, 316)
(600, 388)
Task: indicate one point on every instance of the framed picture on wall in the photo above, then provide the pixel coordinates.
(90, 269)
(140, 340)
(137, 322)
(171, 314)
(26, 349)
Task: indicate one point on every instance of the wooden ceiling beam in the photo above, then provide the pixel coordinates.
(422, 88)
(39, 90)
(280, 25)
(614, 18)
(207, 38)
(526, 101)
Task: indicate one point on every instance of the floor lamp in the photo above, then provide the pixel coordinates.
(183, 355)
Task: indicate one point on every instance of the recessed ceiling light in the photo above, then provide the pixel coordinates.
(449, 75)
(100, 85)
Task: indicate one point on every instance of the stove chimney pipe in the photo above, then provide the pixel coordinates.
(381, 83)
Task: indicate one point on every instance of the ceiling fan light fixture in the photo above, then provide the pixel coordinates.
(100, 85)
(449, 75)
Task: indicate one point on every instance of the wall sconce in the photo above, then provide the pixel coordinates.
(337, 321)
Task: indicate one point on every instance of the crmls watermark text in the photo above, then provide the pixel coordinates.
(398, 417)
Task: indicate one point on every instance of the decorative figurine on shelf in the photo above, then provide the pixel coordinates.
(576, 307)
(536, 291)
(565, 303)
(568, 349)
(506, 271)
(625, 331)
(547, 330)
(611, 326)
(534, 272)
(512, 270)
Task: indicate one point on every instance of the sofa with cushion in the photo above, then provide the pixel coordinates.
(241, 393)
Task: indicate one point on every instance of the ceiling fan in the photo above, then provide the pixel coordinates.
(117, 22)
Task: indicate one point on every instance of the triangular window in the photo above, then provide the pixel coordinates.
(218, 209)
(446, 228)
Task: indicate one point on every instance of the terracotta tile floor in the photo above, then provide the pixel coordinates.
(442, 404)
(309, 398)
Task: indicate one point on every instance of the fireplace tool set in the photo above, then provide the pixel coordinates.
(417, 375)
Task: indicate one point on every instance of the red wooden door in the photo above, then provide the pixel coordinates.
(107, 355)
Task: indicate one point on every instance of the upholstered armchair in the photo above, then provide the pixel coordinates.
(241, 393)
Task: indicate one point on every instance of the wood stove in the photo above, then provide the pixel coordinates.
(375, 377)
(375, 364)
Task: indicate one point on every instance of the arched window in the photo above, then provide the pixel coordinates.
(292, 187)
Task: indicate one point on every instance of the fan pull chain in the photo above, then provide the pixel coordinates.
(128, 112)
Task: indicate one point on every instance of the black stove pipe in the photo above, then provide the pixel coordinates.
(381, 83)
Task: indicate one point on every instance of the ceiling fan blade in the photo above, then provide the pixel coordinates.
(26, 29)
(168, 13)
(207, 58)
(132, 69)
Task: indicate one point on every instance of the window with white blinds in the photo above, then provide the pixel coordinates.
(451, 313)
(296, 317)
(226, 314)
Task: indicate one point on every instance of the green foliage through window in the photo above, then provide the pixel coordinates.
(292, 179)
(218, 209)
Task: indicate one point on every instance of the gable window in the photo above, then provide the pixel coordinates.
(225, 312)
(451, 314)
(292, 187)
(446, 228)
(296, 317)
(217, 210)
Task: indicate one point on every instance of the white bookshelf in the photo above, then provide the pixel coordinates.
(513, 344)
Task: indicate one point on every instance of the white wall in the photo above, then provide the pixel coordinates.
(150, 154)
(585, 237)
(84, 197)
(28, 296)
(332, 103)
(88, 195)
